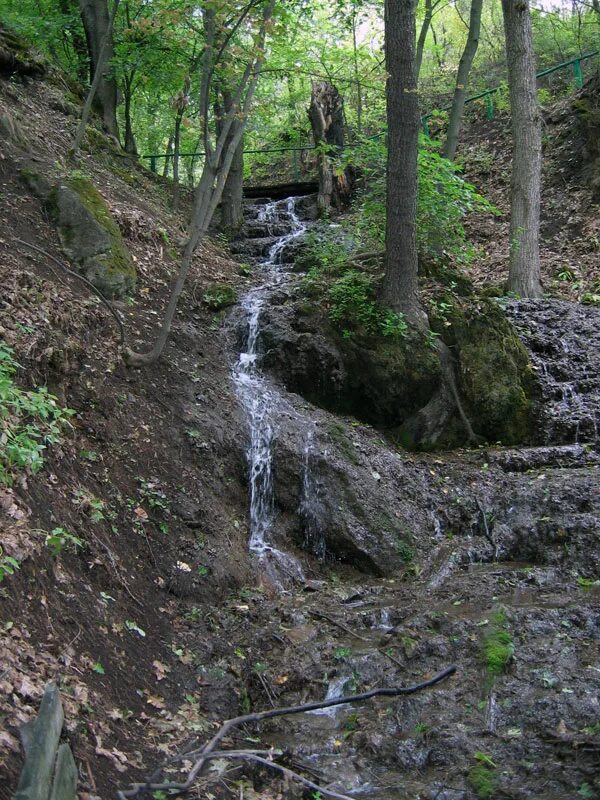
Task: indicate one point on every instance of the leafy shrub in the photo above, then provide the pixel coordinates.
(219, 296)
(60, 539)
(354, 308)
(29, 421)
(8, 565)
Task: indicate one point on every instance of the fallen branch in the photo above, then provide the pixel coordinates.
(83, 280)
(339, 625)
(208, 752)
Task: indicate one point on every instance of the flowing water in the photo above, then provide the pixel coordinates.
(261, 400)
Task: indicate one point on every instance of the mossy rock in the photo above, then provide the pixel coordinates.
(90, 237)
(495, 373)
(18, 58)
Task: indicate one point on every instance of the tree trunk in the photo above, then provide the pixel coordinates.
(168, 152)
(400, 285)
(460, 92)
(98, 34)
(231, 202)
(423, 37)
(524, 262)
(130, 145)
(73, 28)
(326, 114)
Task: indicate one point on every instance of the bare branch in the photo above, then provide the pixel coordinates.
(83, 279)
(208, 752)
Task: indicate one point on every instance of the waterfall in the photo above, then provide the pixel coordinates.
(261, 400)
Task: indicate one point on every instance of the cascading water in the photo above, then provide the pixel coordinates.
(261, 400)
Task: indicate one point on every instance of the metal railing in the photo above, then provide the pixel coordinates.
(487, 94)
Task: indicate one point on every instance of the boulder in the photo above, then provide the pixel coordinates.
(90, 237)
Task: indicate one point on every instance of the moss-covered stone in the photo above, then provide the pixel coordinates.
(90, 237)
(495, 372)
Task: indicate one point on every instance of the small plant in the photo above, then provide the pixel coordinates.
(342, 652)
(498, 647)
(29, 421)
(59, 539)
(8, 565)
(219, 296)
(483, 781)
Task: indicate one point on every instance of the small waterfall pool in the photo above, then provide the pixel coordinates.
(260, 399)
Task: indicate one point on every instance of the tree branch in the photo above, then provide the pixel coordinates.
(83, 280)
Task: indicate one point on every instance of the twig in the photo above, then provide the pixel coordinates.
(246, 755)
(340, 625)
(208, 752)
(84, 280)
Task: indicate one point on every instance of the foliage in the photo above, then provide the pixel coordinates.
(482, 781)
(353, 307)
(59, 539)
(29, 421)
(8, 565)
(219, 296)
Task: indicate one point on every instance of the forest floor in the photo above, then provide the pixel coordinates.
(159, 628)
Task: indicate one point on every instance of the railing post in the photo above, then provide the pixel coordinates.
(578, 74)
(425, 125)
(153, 163)
(489, 106)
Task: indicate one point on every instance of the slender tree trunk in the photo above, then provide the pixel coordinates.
(524, 263)
(105, 46)
(217, 163)
(180, 103)
(460, 92)
(400, 285)
(130, 145)
(98, 33)
(70, 10)
(423, 37)
(168, 152)
(359, 98)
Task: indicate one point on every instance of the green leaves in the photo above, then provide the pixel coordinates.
(29, 421)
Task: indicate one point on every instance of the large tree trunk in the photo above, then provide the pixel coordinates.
(524, 265)
(326, 114)
(400, 285)
(95, 18)
(460, 92)
(231, 203)
(130, 145)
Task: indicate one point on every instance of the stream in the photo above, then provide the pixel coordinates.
(262, 401)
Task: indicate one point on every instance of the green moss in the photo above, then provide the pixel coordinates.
(497, 645)
(338, 434)
(118, 261)
(219, 295)
(483, 782)
(496, 376)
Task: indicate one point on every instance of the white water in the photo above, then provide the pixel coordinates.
(335, 690)
(262, 402)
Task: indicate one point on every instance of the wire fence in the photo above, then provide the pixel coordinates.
(297, 152)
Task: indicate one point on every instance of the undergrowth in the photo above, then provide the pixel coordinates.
(498, 646)
(29, 422)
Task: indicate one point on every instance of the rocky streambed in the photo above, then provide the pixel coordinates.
(404, 563)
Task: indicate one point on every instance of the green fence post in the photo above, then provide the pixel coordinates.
(425, 126)
(489, 106)
(153, 163)
(578, 74)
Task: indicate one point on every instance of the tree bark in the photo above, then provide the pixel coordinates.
(423, 36)
(180, 103)
(400, 285)
(524, 261)
(326, 114)
(130, 145)
(231, 202)
(98, 34)
(460, 92)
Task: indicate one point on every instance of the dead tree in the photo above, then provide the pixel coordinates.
(326, 114)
